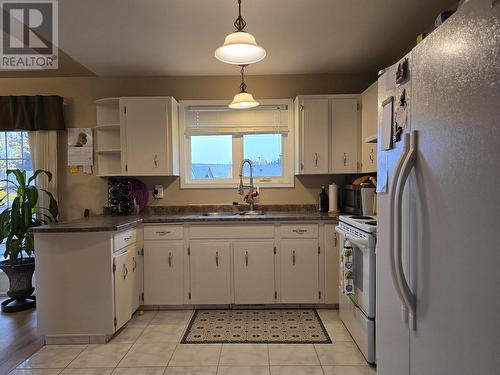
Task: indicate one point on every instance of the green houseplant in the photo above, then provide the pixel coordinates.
(15, 224)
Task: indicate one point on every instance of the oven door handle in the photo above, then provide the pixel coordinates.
(363, 244)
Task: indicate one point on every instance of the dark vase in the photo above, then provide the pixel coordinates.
(20, 285)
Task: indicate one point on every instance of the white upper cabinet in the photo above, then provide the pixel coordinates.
(345, 135)
(327, 128)
(312, 129)
(137, 136)
(369, 99)
(150, 136)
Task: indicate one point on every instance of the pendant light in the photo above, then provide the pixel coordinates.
(240, 47)
(243, 99)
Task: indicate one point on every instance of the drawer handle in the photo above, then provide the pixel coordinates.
(156, 161)
(163, 232)
(125, 272)
(335, 239)
(126, 239)
(134, 264)
(345, 159)
(299, 231)
(316, 159)
(246, 258)
(170, 259)
(293, 258)
(217, 258)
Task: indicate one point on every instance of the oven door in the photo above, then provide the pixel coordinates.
(364, 273)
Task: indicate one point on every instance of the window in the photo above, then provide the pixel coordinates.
(215, 140)
(14, 154)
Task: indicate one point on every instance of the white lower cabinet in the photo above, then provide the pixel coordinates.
(299, 271)
(163, 272)
(123, 285)
(210, 272)
(253, 268)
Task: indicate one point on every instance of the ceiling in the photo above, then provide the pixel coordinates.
(178, 37)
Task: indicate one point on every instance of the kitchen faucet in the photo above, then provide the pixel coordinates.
(250, 196)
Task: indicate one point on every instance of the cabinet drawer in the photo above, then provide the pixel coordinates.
(299, 231)
(231, 231)
(125, 238)
(163, 232)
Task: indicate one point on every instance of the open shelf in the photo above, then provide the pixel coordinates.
(109, 151)
(108, 127)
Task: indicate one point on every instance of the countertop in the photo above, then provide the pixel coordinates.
(115, 223)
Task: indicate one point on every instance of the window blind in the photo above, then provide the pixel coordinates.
(212, 120)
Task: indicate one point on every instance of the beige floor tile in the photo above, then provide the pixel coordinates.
(292, 355)
(129, 334)
(142, 319)
(35, 372)
(296, 370)
(328, 315)
(163, 333)
(338, 332)
(244, 355)
(196, 355)
(208, 370)
(87, 371)
(139, 371)
(53, 356)
(340, 353)
(144, 355)
(101, 355)
(172, 317)
(243, 370)
(349, 370)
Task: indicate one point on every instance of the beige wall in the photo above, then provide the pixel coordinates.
(79, 191)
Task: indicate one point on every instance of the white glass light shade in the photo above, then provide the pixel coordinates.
(240, 48)
(243, 100)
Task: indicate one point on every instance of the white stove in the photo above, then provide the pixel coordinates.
(367, 224)
(357, 311)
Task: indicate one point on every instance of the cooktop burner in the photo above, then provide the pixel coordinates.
(359, 217)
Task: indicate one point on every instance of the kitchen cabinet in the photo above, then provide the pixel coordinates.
(299, 271)
(123, 285)
(344, 135)
(254, 272)
(149, 143)
(210, 272)
(369, 100)
(332, 263)
(163, 272)
(312, 129)
(327, 128)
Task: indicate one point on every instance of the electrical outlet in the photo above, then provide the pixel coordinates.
(158, 192)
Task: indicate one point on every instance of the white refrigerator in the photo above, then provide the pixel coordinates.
(438, 230)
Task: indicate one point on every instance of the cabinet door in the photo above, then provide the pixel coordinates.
(314, 125)
(253, 272)
(331, 265)
(136, 278)
(369, 161)
(163, 272)
(299, 271)
(345, 135)
(145, 122)
(124, 288)
(210, 272)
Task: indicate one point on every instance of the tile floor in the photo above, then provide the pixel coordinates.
(149, 345)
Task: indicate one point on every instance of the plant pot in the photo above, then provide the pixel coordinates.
(20, 285)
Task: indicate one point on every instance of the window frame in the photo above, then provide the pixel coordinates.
(287, 147)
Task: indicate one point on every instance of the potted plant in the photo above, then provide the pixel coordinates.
(15, 224)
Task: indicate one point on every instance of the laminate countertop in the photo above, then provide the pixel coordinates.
(116, 223)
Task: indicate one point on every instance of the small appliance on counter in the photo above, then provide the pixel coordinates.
(358, 199)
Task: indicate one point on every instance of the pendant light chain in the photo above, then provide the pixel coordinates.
(240, 22)
(243, 86)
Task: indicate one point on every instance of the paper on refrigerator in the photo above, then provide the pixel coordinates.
(382, 174)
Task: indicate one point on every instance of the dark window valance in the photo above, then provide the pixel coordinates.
(31, 113)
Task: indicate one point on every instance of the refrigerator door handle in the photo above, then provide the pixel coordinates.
(408, 296)
(392, 195)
